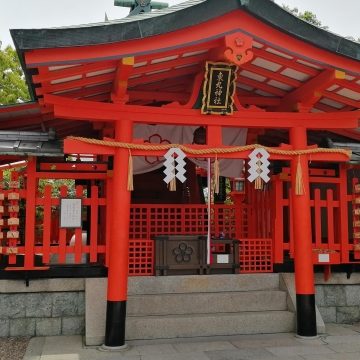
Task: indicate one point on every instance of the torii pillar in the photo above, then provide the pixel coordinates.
(119, 243)
(304, 269)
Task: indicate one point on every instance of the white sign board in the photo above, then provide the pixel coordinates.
(324, 258)
(70, 213)
(223, 259)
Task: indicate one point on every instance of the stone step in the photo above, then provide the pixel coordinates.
(208, 325)
(203, 283)
(202, 303)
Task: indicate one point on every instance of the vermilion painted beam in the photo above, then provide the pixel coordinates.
(80, 147)
(311, 91)
(120, 83)
(158, 96)
(90, 91)
(54, 175)
(259, 100)
(87, 110)
(99, 97)
(73, 167)
(165, 84)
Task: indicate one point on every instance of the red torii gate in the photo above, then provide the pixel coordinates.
(75, 65)
(124, 116)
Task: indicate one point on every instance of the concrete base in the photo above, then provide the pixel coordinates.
(95, 310)
(122, 348)
(192, 306)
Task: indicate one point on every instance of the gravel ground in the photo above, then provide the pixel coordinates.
(13, 348)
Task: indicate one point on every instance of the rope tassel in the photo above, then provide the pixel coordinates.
(172, 183)
(216, 176)
(299, 184)
(130, 185)
(259, 184)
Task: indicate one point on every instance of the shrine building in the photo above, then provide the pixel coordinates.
(203, 139)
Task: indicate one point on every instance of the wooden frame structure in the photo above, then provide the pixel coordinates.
(292, 77)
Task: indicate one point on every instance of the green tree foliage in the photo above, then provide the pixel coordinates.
(311, 18)
(13, 88)
(308, 16)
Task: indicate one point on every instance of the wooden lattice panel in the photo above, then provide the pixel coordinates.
(256, 255)
(147, 221)
(224, 222)
(141, 257)
(139, 225)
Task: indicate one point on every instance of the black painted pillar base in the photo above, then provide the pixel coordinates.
(115, 324)
(306, 315)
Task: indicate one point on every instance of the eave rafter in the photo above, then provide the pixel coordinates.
(83, 70)
(351, 85)
(289, 63)
(261, 86)
(259, 100)
(342, 99)
(310, 92)
(172, 84)
(90, 91)
(272, 75)
(75, 84)
(158, 96)
(164, 75)
(156, 65)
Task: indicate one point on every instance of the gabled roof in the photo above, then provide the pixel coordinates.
(170, 46)
(178, 17)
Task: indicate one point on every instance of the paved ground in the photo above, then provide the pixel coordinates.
(342, 342)
(13, 348)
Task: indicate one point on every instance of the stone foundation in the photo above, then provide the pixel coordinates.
(57, 306)
(45, 307)
(338, 299)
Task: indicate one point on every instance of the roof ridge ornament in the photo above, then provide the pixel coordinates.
(140, 6)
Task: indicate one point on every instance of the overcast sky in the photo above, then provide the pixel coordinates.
(340, 16)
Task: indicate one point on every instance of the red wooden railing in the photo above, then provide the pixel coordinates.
(248, 221)
(66, 245)
(329, 201)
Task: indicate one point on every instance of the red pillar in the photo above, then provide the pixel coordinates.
(304, 270)
(31, 190)
(119, 242)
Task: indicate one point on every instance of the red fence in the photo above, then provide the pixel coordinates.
(256, 254)
(329, 200)
(40, 242)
